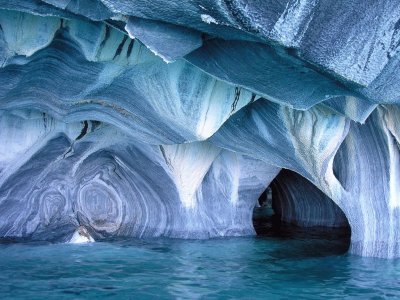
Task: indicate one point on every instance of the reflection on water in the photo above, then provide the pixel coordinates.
(257, 267)
(282, 262)
(325, 241)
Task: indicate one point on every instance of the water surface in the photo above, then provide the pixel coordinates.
(232, 268)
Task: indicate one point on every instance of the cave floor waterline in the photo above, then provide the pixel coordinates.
(163, 268)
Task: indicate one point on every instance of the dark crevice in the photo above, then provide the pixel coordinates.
(167, 161)
(67, 152)
(130, 47)
(236, 100)
(120, 46)
(269, 222)
(84, 130)
(106, 37)
(95, 125)
(253, 98)
(44, 120)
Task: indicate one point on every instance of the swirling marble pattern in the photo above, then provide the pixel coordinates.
(115, 70)
(164, 118)
(113, 187)
(374, 217)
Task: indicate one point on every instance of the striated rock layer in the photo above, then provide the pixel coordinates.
(296, 200)
(162, 118)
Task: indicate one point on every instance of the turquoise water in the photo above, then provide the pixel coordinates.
(231, 268)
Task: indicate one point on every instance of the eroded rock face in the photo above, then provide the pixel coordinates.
(162, 118)
(297, 201)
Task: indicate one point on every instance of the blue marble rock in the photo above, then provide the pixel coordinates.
(170, 118)
(159, 36)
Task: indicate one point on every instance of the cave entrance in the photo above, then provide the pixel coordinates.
(292, 208)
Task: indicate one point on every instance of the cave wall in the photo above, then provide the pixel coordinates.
(163, 118)
(299, 202)
(65, 175)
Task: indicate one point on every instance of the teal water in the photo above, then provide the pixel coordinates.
(231, 268)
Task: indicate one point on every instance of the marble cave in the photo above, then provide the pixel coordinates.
(147, 119)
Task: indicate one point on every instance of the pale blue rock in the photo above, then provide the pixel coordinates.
(159, 36)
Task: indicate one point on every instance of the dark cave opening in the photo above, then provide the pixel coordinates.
(292, 208)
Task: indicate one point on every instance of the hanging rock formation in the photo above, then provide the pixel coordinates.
(170, 118)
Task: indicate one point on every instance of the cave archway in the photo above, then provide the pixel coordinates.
(293, 208)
